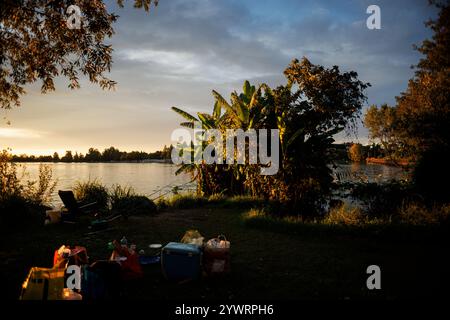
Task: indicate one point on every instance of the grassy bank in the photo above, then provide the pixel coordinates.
(314, 262)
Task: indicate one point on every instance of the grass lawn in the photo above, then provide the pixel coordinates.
(265, 264)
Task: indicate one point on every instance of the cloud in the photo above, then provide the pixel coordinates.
(16, 133)
(188, 66)
(178, 53)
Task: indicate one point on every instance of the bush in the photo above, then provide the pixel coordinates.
(383, 199)
(22, 202)
(18, 212)
(345, 215)
(126, 202)
(134, 205)
(92, 191)
(418, 214)
(40, 191)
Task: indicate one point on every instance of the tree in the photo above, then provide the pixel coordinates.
(315, 104)
(383, 123)
(36, 44)
(67, 157)
(356, 152)
(93, 155)
(111, 154)
(424, 108)
(55, 157)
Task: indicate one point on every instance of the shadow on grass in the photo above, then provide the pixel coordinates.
(376, 230)
(191, 201)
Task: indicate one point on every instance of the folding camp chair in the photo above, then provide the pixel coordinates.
(74, 207)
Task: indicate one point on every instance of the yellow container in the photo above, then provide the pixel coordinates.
(43, 284)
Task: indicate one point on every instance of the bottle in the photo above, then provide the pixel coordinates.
(110, 246)
(124, 242)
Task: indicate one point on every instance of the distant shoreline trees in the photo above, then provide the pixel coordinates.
(110, 154)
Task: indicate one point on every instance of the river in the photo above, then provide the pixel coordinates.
(156, 179)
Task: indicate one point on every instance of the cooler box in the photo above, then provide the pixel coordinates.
(181, 261)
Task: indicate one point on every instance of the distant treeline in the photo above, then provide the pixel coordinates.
(112, 154)
(94, 155)
(345, 152)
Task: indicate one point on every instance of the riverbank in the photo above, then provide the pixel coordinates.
(390, 162)
(265, 264)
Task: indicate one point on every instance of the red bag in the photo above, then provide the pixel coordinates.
(216, 259)
(130, 266)
(72, 256)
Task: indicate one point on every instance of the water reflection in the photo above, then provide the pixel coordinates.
(155, 179)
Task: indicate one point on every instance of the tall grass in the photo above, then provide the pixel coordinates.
(92, 191)
(124, 200)
(345, 215)
(192, 200)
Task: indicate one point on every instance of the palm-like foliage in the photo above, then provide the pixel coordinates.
(315, 104)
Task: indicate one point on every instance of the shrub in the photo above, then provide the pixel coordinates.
(9, 181)
(22, 202)
(125, 201)
(92, 191)
(382, 199)
(134, 205)
(415, 213)
(162, 204)
(40, 191)
(345, 215)
(18, 211)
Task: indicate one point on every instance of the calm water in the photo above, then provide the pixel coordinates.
(156, 179)
(369, 172)
(151, 179)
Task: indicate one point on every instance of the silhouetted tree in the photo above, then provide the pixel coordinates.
(67, 157)
(36, 44)
(111, 154)
(93, 155)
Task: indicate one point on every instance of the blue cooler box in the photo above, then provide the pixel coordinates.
(180, 261)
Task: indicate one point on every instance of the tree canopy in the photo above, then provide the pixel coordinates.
(36, 44)
(314, 105)
(424, 108)
(419, 124)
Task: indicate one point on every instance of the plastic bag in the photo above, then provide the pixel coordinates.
(193, 237)
(220, 242)
(216, 258)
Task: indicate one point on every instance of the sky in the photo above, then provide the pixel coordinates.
(177, 54)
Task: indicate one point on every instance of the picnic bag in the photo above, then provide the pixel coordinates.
(43, 284)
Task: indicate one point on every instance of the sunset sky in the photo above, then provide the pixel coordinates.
(178, 53)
